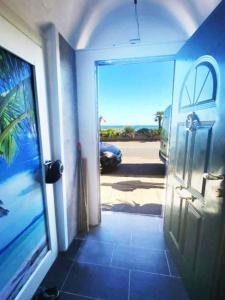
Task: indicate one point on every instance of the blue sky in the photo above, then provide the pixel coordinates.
(130, 94)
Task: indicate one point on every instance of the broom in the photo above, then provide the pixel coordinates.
(83, 225)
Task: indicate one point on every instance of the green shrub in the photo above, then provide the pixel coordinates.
(128, 131)
(110, 132)
(149, 132)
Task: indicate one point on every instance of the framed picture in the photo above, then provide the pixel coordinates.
(26, 237)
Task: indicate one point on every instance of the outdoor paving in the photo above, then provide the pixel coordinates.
(138, 184)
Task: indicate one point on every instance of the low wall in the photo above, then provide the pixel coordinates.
(127, 138)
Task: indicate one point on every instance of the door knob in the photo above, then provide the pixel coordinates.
(210, 176)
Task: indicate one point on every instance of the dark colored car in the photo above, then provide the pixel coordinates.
(110, 156)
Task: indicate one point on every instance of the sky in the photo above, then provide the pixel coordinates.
(130, 94)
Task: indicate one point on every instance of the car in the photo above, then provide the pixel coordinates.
(164, 136)
(110, 156)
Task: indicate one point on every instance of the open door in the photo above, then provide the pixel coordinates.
(194, 208)
(28, 244)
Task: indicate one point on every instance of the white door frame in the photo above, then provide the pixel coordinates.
(53, 76)
(125, 61)
(19, 44)
(88, 109)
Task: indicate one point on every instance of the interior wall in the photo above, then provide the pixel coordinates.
(60, 67)
(70, 136)
(88, 107)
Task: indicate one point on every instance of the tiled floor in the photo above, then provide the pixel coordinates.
(125, 258)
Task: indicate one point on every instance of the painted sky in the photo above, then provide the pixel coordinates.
(130, 94)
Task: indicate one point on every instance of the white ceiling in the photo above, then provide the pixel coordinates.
(104, 23)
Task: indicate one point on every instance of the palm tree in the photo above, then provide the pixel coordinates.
(159, 117)
(101, 120)
(14, 102)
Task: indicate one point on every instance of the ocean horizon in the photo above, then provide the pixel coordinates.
(136, 127)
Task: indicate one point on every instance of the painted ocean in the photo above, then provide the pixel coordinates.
(23, 241)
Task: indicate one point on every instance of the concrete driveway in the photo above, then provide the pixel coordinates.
(137, 185)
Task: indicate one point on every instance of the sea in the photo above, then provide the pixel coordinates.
(23, 241)
(136, 127)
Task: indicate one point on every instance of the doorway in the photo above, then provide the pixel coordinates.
(134, 125)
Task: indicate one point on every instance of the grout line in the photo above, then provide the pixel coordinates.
(167, 260)
(129, 285)
(75, 294)
(70, 269)
(131, 238)
(143, 248)
(102, 265)
(127, 269)
(111, 260)
(158, 274)
(100, 241)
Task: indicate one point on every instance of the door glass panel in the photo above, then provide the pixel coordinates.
(204, 84)
(23, 232)
(189, 88)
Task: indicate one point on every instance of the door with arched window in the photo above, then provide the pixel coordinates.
(193, 213)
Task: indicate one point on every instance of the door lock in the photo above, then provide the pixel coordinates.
(53, 171)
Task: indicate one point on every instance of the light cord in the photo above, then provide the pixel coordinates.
(137, 19)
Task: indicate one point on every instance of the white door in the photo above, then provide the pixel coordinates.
(28, 244)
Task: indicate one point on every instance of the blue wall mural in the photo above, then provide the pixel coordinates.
(23, 236)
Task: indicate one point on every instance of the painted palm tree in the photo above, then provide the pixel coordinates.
(14, 108)
(158, 118)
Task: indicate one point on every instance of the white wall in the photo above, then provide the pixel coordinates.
(70, 133)
(88, 108)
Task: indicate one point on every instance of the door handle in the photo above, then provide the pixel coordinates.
(210, 176)
(184, 194)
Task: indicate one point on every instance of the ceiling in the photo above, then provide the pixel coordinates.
(107, 23)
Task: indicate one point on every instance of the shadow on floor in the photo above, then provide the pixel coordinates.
(131, 185)
(143, 170)
(134, 208)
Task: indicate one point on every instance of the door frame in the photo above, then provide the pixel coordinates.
(124, 61)
(21, 45)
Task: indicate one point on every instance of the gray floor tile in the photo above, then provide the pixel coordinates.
(95, 252)
(73, 249)
(58, 272)
(120, 234)
(149, 239)
(140, 259)
(145, 286)
(98, 282)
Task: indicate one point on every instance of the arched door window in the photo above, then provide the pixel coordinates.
(201, 84)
